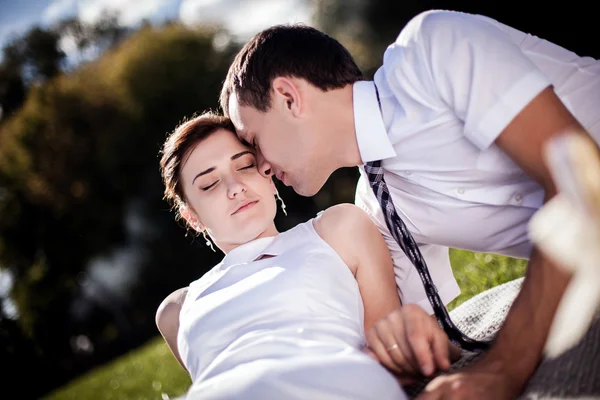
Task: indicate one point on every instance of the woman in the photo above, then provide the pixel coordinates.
(284, 315)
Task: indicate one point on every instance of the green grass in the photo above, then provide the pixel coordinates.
(476, 272)
(151, 372)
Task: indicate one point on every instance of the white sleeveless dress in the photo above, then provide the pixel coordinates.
(288, 326)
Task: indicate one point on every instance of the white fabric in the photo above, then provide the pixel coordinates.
(567, 229)
(449, 85)
(284, 327)
(572, 238)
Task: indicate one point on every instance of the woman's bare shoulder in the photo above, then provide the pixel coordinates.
(168, 310)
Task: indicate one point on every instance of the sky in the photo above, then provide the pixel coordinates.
(242, 18)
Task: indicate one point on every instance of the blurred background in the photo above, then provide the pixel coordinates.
(89, 89)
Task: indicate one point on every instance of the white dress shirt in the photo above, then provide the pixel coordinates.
(448, 87)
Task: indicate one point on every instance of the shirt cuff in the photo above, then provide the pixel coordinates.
(507, 108)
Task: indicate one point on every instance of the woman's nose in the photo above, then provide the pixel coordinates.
(235, 187)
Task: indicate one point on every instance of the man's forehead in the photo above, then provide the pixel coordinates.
(235, 113)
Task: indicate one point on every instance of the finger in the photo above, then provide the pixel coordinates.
(397, 347)
(440, 348)
(436, 394)
(435, 390)
(420, 336)
(408, 361)
(375, 344)
(456, 391)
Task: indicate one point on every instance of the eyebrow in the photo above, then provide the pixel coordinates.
(211, 169)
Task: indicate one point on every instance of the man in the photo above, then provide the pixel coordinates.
(459, 114)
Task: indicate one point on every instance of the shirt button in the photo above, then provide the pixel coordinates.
(518, 198)
(460, 190)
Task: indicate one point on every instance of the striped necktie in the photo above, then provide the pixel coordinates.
(407, 243)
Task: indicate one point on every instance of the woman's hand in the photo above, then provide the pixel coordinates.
(410, 343)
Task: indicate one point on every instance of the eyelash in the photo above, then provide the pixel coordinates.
(247, 167)
(241, 169)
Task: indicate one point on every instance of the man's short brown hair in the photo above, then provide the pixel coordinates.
(287, 50)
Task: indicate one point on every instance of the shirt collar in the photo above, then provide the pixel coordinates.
(251, 251)
(371, 135)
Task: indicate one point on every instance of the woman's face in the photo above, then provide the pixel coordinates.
(225, 193)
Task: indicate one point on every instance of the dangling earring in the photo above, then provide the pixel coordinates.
(208, 242)
(282, 203)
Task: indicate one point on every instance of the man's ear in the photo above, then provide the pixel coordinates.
(287, 94)
(192, 219)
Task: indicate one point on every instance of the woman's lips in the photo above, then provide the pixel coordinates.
(245, 207)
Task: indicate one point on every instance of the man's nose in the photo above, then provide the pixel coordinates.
(264, 167)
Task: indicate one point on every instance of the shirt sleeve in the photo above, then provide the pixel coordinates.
(466, 63)
(408, 281)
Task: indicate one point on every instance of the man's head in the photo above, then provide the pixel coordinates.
(278, 93)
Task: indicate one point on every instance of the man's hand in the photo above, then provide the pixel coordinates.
(410, 343)
(470, 384)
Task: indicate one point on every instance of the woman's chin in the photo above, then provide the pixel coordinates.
(254, 231)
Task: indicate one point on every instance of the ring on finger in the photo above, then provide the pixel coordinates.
(392, 347)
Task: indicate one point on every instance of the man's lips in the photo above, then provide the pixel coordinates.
(245, 205)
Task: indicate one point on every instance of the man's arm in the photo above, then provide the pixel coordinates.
(472, 67)
(518, 347)
(520, 342)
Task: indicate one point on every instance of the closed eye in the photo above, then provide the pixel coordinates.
(247, 167)
(209, 186)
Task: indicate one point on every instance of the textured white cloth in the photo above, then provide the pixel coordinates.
(572, 375)
(449, 85)
(286, 326)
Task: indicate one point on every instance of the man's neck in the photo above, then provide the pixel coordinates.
(341, 110)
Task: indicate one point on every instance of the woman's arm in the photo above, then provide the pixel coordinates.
(405, 339)
(351, 233)
(167, 320)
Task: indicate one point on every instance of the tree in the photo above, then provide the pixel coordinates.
(91, 40)
(79, 164)
(12, 90)
(37, 55)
